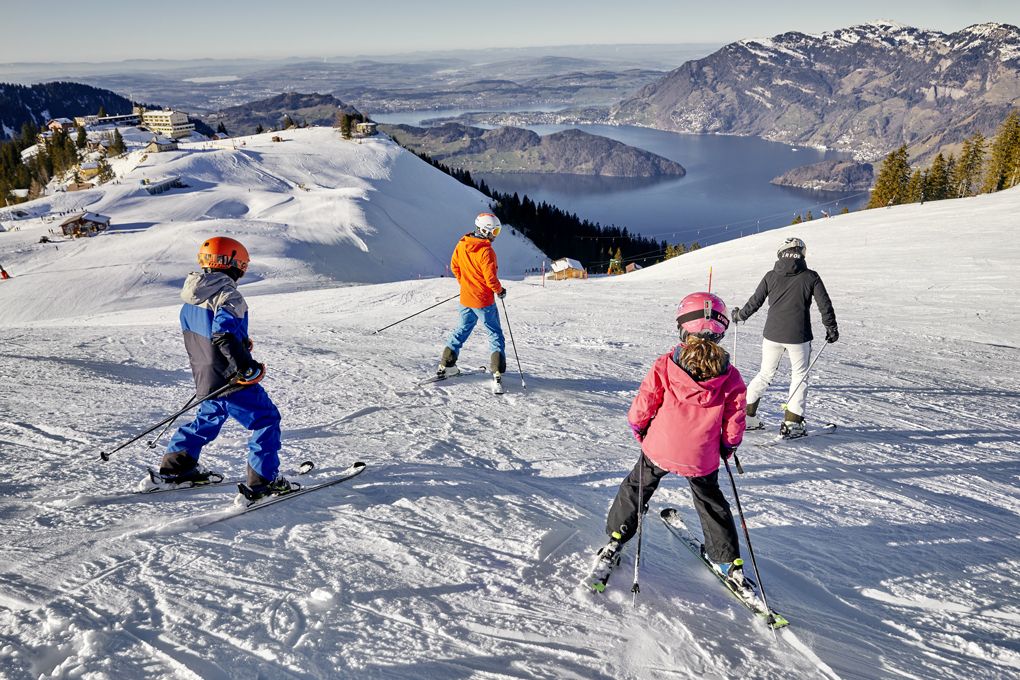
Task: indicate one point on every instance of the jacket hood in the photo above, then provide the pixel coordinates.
(200, 287)
(474, 243)
(790, 266)
(687, 389)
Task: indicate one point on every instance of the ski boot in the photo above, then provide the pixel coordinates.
(793, 426)
(732, 572)
(606, 559)
(180, 469)
(448, 364)
(497, 383)
(278, 487)
(753, 421)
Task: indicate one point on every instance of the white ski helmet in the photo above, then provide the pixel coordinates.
(790, 244)
(488, 225)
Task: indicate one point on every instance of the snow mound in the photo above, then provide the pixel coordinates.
(313, 210)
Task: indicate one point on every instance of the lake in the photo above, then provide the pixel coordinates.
(725, 194)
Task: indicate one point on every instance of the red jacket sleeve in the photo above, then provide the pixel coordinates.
(649, 397)
(734, 409)
(489, 269)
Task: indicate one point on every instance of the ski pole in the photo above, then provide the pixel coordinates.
(152, 442)
(415, 314)
(750, 550)
(804, 377)
(514, 344)
(105, 455)
(635, 588)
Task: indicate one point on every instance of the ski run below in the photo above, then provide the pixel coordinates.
(889, 544)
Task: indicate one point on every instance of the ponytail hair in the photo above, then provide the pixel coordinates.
(702, 358)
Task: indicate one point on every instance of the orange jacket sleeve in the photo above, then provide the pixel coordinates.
(489, 269)
(454, 267)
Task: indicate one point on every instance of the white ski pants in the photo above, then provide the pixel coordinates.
(771, 354)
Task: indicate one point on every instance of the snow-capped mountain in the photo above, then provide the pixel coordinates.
(864, 89)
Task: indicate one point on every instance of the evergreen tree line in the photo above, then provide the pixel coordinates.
(60, 154)
(558, 233)
(980, 168)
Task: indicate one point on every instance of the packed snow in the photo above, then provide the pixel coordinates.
(457, 554)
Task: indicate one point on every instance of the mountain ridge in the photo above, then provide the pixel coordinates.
(865, 89)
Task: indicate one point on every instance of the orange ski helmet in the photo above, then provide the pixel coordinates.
(220, 252)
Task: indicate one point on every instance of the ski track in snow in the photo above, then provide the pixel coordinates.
(457, 554)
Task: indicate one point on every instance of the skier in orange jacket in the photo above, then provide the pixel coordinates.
(474, 265)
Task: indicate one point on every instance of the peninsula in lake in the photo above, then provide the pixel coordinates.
(516, 150)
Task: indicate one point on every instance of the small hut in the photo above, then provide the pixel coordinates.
(366, 129)
(160, 143)
(85, 224)
(568, 268)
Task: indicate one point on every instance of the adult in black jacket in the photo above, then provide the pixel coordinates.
(789, 288)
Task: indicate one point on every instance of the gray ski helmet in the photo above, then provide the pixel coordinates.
(790, 244)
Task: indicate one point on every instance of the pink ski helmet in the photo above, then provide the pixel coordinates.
(703, 315)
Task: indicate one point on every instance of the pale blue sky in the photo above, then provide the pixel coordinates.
(62, 30)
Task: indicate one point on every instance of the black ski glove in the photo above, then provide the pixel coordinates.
(831, 334)
(501, 294)
(735, 315)
(726, 452)
(239, 360)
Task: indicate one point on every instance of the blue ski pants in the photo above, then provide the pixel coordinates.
(469, 316)
(251, 407)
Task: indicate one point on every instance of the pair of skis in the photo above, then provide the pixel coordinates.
(746, 593)
(497, 387)
(250, 501)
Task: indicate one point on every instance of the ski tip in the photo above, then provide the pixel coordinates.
(305, 467)
(777, 621)
(358, 465)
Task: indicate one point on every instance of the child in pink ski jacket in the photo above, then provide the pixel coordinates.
(689, 412)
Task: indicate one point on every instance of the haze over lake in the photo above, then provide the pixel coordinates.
(726, 192)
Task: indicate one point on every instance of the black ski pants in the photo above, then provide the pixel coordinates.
(721, 542)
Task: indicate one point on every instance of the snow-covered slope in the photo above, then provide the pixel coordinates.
(455, 555)
(312, 210)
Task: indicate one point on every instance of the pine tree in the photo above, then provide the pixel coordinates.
(259, 129)
(117, 145)
(221, 128)
(936, 180)
(915, 187)
(797, 219)
(809, 216)
(82, 139)
(345, 126)
(102, 111)
(105, 171)
(967, 174)
(1004, 163)
(616, 264)
(288, 122)
(893, 177)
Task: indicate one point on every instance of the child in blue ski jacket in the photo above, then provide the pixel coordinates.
(214, 320)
